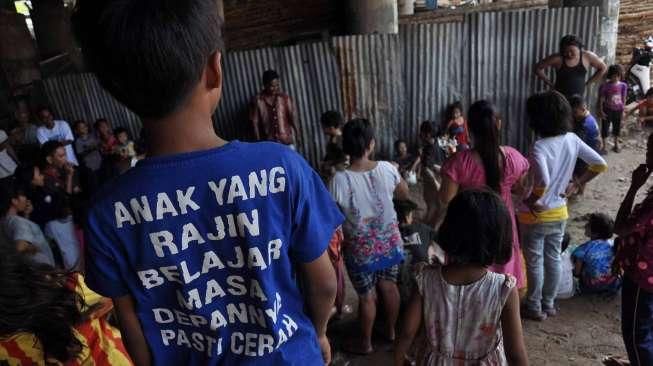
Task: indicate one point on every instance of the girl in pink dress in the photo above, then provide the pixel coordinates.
(501, 168)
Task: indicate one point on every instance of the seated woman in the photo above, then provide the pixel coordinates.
(49, 317)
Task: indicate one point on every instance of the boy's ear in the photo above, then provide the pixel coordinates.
(214, 71)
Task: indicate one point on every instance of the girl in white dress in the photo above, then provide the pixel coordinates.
(470, 315)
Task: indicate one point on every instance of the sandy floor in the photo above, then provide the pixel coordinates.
(587, 328)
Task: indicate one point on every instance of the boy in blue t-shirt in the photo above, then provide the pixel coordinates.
(586, 127)
(197, 245)
(593, 260)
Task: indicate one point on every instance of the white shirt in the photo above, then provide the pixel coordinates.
(60, 132)
(7, 164)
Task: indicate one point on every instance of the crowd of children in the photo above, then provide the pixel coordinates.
(269, 290)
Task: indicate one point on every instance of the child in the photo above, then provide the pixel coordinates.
(645, 108)
(470, 315)
(59, 173)
(25, 235)
(88, 150)
(407, 163)
(585, 125)
(457, 125)
(334, 159)
(108, 143)
(593, 260)
(373, 251)
(124, 149)
(430, 171)
(202, 229)
(612, 99)
(418, 241)
(53, 319)
(543, 215)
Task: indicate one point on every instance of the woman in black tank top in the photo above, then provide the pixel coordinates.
(571, 80)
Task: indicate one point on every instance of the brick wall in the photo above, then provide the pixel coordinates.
(635, 24)
(259, 23)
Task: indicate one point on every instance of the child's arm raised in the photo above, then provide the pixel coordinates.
(412, 321)
(130, 328)
(512, 331)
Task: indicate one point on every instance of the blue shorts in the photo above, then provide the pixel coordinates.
(364, 282)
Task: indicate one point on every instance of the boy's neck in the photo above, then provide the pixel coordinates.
(181, 132)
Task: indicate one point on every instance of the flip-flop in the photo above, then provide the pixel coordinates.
(355, 349)
(615, 361)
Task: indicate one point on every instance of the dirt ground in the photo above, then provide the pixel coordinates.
(587, 327)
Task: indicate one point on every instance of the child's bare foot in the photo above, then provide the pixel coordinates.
(358, 348)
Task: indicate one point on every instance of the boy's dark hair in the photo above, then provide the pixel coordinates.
(101, 120)
(570, 40)
(8, 191)
(577, 101)
(41, 303)
(78, 122)
(269, 76)
(49, 148)
(331, 119)
(477, 229)
(43, 108)
(566, 239)
(549, 114)
(148, 54)
(426, 128)
(24, 174)
(118, 130)
(601, 225)
(399, 142)
(357, 135)
(404, 208)
(451, 108)
(614, 70)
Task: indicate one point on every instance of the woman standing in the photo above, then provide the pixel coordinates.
(572, 65)
(500, 168)
(373, 245)
(635, 258)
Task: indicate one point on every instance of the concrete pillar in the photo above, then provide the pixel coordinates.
(608, 26)
(372, 16)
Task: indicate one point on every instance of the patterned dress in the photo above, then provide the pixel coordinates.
(463, 323)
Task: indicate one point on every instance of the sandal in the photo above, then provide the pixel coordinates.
(615, 361)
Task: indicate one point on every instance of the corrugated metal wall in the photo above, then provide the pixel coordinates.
(397, 81)
(80, 96)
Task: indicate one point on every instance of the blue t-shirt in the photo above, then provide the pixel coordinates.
(588, 131)
(206, 244)
(596, 275)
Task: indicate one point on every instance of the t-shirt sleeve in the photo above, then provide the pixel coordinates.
(41, 136)
(102, 265)
(591, 128)
(580, 252)
(20, 230)
(316, 215)
(519, 162)
(391, 173)
(595, 162)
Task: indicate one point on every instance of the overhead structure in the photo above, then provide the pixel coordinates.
(372, 17)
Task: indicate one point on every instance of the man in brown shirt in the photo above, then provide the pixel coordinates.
(273, 114)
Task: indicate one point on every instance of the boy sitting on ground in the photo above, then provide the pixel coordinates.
(593, 260)
(197, 244)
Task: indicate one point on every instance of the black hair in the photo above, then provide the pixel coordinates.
(118, 130)
(399, 142)
(451, 108)
(37, 299)
(49, 148)
(331, 119)
(357, 135)
(614, 70)
(566, 239)
(649, 93)
(577, 101)
(549, 114)
(24, 174)
(570, 40)
(43, 108)
(426, 128)
(9, 190)
(269, 76)
(487, 143)
(404, 208)
(149, 55)
(601, 225)
(79, 122)
(477, 229)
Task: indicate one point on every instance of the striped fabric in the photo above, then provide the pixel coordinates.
(102, 343)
